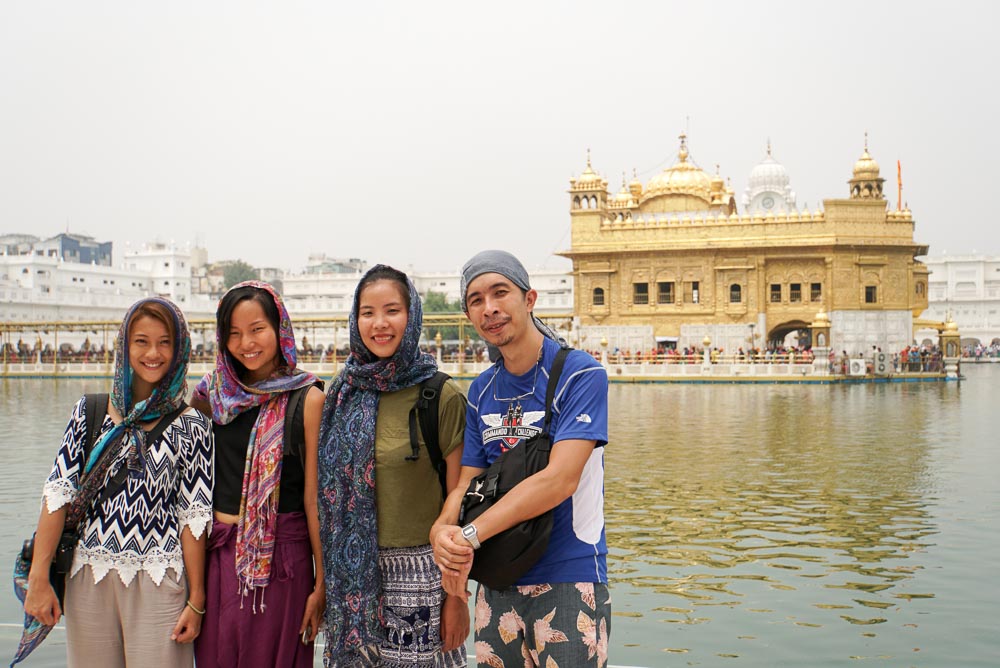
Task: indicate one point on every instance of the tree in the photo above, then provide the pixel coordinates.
(436, 302)
(238, 271)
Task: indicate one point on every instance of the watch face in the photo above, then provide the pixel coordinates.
(767, 202)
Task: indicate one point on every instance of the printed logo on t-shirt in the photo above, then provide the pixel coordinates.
(512, 427)
(583, 417)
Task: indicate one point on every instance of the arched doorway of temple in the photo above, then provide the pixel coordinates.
(791, 334)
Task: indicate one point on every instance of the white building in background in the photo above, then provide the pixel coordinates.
(966, 288)
(46, 288)
(310, 294)
(41, 284)
(167, 267)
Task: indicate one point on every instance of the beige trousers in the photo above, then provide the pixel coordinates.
(109, 625)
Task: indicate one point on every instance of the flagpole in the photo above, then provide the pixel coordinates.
(899, 183)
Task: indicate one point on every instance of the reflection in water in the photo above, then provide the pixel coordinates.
(722, 497)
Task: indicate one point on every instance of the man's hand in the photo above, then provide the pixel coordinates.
(452, 552)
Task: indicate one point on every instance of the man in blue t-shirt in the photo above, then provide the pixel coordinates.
(560, 610)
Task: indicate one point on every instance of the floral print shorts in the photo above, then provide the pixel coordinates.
(562, 624)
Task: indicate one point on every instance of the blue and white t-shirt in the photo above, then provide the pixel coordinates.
(138, 527)
(577, 549)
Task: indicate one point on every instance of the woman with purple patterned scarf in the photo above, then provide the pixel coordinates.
(264, 584)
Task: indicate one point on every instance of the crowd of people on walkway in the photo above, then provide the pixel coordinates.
(982, 352)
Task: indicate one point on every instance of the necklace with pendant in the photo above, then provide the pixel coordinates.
(534, 381)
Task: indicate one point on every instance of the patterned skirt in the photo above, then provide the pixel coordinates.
(411, 585)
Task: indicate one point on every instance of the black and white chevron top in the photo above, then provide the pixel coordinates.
(138, 527)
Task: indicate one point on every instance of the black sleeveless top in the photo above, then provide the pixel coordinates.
(231, 443)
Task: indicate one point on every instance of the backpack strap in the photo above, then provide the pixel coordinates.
(295, 430)
(427, 409)
(550, 390)
(117, 481)
(164, 422)
(95, 409)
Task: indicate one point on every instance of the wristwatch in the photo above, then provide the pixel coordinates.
(470, 534)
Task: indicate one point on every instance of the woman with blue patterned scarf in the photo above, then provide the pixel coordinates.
(379, 497)
(150, 470)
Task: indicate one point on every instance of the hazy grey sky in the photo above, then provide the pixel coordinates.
(417, 133)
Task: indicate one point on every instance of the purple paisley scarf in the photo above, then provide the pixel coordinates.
(348, 527)
(228, 396)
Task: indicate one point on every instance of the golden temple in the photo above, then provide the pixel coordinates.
(673, 261)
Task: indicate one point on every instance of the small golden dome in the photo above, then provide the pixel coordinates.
(624, 197)
(951, 325)
(684, 178)
(866, 167)
(718, 183)
(588, 177)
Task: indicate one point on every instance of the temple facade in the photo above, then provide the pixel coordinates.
(672, 262)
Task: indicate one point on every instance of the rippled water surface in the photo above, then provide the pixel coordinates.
(749, 525)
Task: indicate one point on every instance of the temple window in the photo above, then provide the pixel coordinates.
(665, 292)
(871, 294)
(640, 293)
(691, 292)
(795, 292)
(598, 296)
(775, 293)
(735, 293)
(816, 292)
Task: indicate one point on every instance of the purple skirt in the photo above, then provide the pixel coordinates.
(233, 633)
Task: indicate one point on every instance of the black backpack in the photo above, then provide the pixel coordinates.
(504, 558)
(425, 411)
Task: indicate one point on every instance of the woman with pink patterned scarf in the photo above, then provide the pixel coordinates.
(265, 587)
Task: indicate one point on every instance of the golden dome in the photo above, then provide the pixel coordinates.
(717, 181)
(683, 178)
(951, 325)
(624, 197)
(866, 167)
(589, 178)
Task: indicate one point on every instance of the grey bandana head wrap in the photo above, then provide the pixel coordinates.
(508, 266)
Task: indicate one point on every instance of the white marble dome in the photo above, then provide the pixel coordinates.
(768, 186)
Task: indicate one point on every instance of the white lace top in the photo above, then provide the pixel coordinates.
(138, 527)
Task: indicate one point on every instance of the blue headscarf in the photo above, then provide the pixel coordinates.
(166, 397)
(348, 525)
